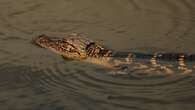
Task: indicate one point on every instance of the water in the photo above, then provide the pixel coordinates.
(32, 78)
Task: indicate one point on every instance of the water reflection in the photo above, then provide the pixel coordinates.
(34, 78)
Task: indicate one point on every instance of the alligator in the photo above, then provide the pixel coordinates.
(76, 47)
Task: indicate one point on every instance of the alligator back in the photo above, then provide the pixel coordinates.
(159, 56)
(155, 64)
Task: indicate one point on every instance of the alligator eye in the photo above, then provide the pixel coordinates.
(83, 49)
(67, 48)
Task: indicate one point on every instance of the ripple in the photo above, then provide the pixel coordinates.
(54, 74)
(82, 80)
(191, 15)
(179, 27)
(9, 25)
(28, 72)
(60, 80)
(134, 4)
(145, 100)
(12, 57)
(29, 9)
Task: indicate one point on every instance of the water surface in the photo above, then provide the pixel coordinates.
(32, 78)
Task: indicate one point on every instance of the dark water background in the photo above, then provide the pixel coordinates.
(32, 78)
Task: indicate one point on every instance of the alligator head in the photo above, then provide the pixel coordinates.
(73, 47)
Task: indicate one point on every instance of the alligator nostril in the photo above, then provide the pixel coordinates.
(42, 40)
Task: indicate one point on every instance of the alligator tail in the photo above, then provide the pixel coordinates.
(157, 56)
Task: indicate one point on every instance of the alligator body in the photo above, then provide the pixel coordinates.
(78, 48)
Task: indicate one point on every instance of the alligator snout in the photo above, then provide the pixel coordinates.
(42, 41)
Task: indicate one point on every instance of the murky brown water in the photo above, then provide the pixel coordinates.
(32, 78)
